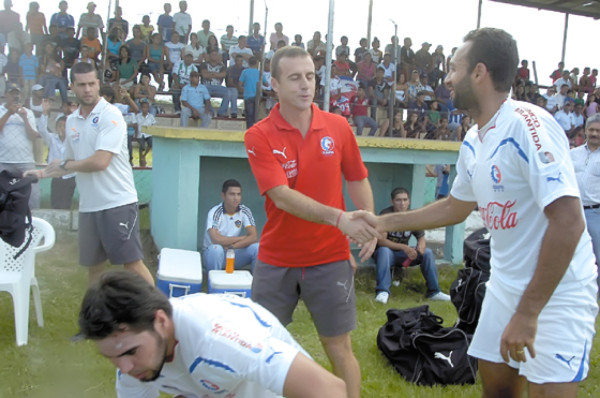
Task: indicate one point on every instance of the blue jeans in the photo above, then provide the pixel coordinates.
(213, 257)
(250, 105)
(362, 121)
(186, 114)
(229, 95)
(592, 219)
(385, 258)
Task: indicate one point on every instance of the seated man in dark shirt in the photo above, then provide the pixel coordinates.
(393, 249)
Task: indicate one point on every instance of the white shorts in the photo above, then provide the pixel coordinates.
(564, 335)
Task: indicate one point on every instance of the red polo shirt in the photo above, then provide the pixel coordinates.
(313, 165)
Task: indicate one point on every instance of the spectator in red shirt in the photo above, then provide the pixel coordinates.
(360, 109)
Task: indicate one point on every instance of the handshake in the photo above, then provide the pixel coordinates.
(363, 228)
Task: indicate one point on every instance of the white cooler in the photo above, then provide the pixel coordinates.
(179, 272)
(239, 282)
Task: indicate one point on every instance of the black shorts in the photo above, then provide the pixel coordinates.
(111, 234)
(327, 290)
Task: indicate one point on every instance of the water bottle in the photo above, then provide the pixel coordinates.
(230, 261)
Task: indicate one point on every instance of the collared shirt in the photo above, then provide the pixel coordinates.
(255, 43)
(565, 119)
(513, 167)
(195, 96)
(587, 172)
(313, 165)
(104, 129)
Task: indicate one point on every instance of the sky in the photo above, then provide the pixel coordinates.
(539, 34)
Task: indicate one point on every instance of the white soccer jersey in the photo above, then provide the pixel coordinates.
(227, 224)
(513, 168)
(103, 129)
(227, 346)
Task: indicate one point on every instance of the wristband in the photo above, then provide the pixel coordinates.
(337, 222)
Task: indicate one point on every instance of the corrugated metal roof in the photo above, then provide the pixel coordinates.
(586, 8)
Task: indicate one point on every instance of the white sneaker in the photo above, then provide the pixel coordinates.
(439, 296)
(382, 297)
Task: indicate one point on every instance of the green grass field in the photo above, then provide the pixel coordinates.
(52, 366)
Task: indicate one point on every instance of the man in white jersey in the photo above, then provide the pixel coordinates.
(196, 346)
(96, 149)
(224, 226)
(537, 319)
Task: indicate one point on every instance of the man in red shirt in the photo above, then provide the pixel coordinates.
(298, 155)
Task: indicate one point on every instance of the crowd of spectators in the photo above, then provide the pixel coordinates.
(368, 84)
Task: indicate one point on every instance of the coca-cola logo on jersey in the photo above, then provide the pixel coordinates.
(499, 216)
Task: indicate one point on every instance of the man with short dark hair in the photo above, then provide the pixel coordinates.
(62, 20)
(224, 226)
(199, 345)
(393, 249)
(96, 149)
(204, 34)
(538, 315)
(256, 41)
(248, 86)
(18, 131)
(241, 49)
(195, 101)
(213, 72)
(304, 252)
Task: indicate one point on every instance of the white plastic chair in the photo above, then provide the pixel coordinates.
(17, 276)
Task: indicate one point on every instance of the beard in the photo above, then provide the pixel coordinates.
(161, 347)
(464, 98)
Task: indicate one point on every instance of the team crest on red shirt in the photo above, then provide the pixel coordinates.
(327, 145)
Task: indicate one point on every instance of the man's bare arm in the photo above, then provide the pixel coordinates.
(248, 239)
(448, 211)
(307, 379)
(97, 162)
(300, 205)
(225, 241)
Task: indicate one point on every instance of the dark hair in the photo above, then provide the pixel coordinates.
(285, 52)
(398, 190)
(497, 50)
(230, 183)
(252, 61)
(81, 68)
(107, 91)
(120, 297)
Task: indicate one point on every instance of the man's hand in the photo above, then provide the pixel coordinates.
(52, 170)
(195, 114)
(411, 253)
(367, 250)
(22, 111)
(518, 335)
(357, 228)
(369, 217)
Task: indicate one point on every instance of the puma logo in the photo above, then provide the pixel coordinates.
(342, 284)
(282, 152)
(557, 178)
(439, 355)
(124, 224)
(567, 361)
(252, 151)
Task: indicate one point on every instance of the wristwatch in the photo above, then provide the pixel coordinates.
(63, 164)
